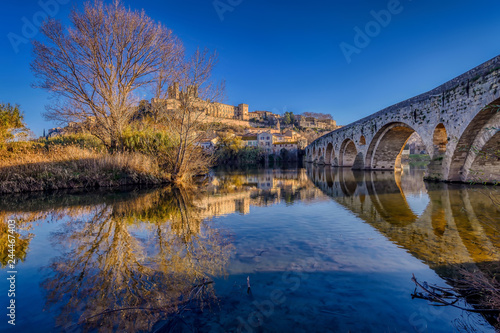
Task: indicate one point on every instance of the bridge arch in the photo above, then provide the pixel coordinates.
(450, 120)
(348, 183)
(330, 154)
(389, 199)
(313, 158)
(348, 153)
(476, 156)
(440, 140)
(384, 151)
(321, 157)
(329, 177)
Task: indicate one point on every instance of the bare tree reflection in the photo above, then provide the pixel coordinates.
(128, 265)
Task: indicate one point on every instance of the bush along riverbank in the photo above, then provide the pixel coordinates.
(419, 160)
(231, 151)
(81, 160)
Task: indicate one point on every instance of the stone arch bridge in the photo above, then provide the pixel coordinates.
(458, 122)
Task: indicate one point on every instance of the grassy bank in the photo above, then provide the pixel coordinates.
(419, 160)
(52, 165)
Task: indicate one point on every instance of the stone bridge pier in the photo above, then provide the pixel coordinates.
(458, 122)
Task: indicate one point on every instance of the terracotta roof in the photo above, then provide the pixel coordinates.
(285, 143)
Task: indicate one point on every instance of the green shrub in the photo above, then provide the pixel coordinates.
(234, 154)
(146, 141)
(11, 123)
(82, 140)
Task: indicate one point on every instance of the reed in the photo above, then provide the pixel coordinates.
(33, 166)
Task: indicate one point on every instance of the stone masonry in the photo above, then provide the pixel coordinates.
(458, 122)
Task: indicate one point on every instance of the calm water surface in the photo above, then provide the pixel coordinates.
(274, 250)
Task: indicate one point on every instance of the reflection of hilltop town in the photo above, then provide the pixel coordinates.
(111, 238)
(228, 194)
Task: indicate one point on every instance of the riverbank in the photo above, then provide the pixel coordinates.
(31, 167)
(81, 161)
(419, 160)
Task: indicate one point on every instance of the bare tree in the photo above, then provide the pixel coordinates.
(97, 67)
(185, 108)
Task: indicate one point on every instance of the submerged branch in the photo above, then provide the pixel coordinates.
(198, 288)
(439, 295)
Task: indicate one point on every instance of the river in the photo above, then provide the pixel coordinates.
(269, 250)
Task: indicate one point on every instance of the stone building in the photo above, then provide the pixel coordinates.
(209, 144)
(290, 147)
(241, 112)
(250, 140)
(260, 115)
(274, 143)
(216, 110)
(266, 140)
(311, 122)
(416, 145)
(53, 132)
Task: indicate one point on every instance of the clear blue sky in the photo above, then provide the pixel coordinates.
(286, 55)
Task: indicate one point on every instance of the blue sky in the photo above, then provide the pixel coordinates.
(286, 55)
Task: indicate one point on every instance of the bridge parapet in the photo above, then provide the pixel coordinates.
(456, 121)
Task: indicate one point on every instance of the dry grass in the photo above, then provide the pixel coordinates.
(483, 288)
(32, 167)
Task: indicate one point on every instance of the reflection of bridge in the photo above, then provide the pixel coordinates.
(455, 227)
(458, 123)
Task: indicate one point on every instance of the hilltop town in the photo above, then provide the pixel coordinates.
(271, 132)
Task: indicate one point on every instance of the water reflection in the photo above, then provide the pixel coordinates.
(130, 259)
(127, 260)
(237, 191)
(458, 228)
(460, 224)
(22, 242)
